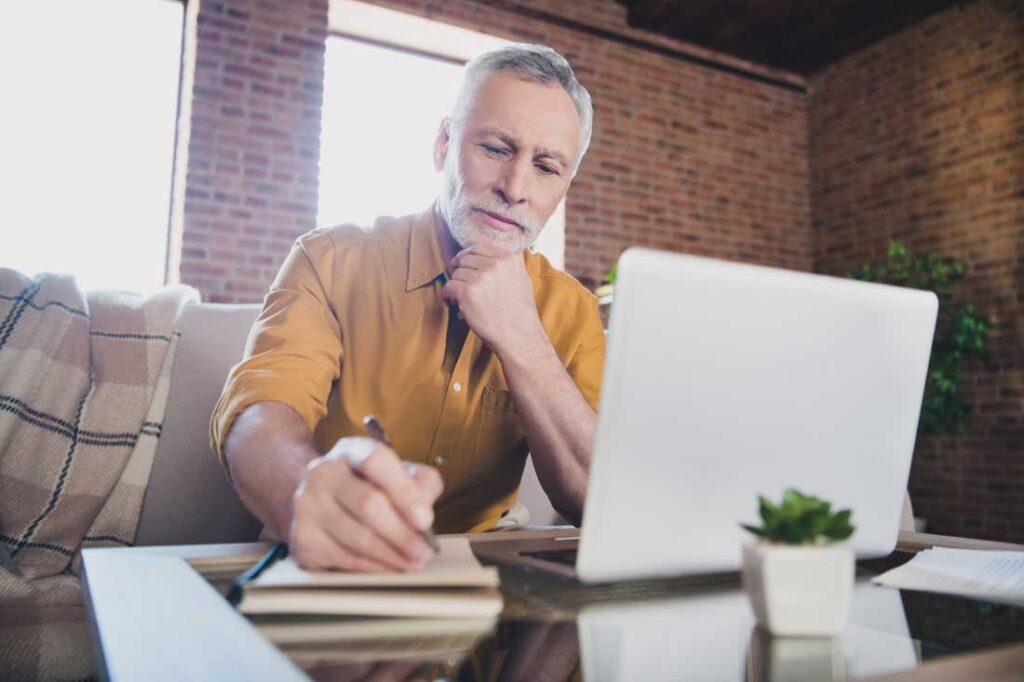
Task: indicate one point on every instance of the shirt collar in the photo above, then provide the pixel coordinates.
(425, 261)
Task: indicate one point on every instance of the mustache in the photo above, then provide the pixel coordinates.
(503, 210)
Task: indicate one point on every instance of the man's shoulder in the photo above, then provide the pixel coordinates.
(567, 309)
(556, 282)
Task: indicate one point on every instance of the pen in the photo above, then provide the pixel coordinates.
(278, 551)
(376, 432)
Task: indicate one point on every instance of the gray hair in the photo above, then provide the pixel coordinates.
(537, 63)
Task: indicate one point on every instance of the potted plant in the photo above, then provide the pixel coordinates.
(799, 573)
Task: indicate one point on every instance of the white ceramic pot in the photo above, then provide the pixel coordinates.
(799, 590)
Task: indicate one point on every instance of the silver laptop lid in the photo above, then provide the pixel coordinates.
(724, 381)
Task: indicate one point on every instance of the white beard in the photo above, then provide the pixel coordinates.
(458, 211)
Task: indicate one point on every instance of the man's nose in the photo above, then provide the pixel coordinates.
(513, 184)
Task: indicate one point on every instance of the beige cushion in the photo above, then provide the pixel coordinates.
(189, 499)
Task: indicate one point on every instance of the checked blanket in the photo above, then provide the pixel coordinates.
(83, 386)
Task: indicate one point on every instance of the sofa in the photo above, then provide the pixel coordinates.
(189, 499)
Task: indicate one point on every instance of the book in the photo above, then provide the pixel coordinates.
(452, 585)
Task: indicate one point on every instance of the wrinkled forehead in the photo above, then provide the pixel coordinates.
(540, 115)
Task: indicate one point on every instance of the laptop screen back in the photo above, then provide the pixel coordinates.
(726, 381)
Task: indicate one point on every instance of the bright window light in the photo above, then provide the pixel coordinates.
(90, 94)
(380, 115)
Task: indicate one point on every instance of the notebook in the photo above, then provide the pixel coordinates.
(452, 585)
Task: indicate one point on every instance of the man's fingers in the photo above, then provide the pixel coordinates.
(319, 510)
(457, 258)
(428, 478)
(385, 470)
(453, 291)
(477, 256)
(380, 465)
(360, 496)
(464, 274)
(314, 549)
(383, 537)
(472, 261)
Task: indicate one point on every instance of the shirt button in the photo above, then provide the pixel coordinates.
(456, 387)
(439, 461)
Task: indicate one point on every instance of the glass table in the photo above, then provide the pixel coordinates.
(555, 629)
(151, 613)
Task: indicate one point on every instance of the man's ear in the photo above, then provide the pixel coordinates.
(441, 143)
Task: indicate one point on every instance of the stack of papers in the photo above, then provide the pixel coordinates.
(982, 574)
(452, 585)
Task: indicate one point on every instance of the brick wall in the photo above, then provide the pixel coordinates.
(253, 144)
(921, 138)
(683, 157)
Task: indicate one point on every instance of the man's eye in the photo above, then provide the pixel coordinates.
(546, 169)
(494, 151)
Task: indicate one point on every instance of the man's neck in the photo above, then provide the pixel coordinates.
(449, 247)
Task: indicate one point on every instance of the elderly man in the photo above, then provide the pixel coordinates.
(469, 349)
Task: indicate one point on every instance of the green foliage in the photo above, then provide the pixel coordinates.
(801, 519)
(959, 331)
(612, 274)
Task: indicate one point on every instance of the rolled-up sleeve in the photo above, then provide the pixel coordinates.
(294, 351)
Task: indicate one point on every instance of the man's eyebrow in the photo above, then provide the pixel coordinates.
(501, 135)
(552, 154)
(514, 144)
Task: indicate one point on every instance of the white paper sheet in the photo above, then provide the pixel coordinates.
(983, 574)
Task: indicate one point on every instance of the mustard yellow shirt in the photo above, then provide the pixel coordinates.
(355, 323)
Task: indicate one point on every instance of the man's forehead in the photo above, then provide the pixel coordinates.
(535, 114)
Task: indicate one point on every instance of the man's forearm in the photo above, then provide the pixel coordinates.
(559, 422)
(267, 450)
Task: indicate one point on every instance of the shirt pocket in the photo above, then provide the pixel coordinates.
(500, 448)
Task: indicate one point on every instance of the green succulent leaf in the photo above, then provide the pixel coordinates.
(755, 530)
(800, 519)
(839, 527)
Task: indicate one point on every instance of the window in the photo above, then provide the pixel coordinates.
(380, 115)
(90, 92)
(389, 79)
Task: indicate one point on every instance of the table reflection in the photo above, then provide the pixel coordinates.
(540, 651)
(714, 637)
(708, 634)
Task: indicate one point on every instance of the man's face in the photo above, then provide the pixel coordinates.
(508, 163)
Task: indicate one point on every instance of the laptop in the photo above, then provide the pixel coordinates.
(724, 381)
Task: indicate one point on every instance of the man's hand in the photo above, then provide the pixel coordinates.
(360, 508)
(495, 296)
